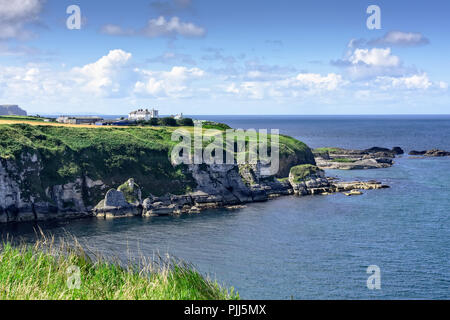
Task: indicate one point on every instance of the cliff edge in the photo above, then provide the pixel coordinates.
(49, 172)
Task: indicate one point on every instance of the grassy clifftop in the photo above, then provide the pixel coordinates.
(114, 155)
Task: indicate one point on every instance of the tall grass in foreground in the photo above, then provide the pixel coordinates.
(45, 270)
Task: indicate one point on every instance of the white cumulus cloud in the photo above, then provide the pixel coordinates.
(173, 83)
(417, 81)
(16, 14)
(375, 57)
(300, 85)
(104, 76)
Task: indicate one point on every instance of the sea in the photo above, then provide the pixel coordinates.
(315, 247)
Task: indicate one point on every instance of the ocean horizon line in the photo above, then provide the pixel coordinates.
(259, 115)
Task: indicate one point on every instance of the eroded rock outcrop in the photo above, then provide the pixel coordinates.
(115, 205)
(308, 179)
(344, 159)
(311, 180)
(217, 186)
(430, 153)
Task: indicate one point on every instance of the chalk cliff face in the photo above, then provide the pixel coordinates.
(219, 186)
(22, 197)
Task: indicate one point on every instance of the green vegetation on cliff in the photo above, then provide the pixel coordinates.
(110, 155)
(131, 191)
(23, 118)
(49, 272)
(300, 173)
(329, 150)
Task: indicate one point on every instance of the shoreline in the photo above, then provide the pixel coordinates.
(62, 173)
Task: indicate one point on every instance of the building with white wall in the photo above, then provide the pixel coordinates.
(142, 114)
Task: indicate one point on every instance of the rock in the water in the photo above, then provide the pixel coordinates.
(417, 153)
(115, 205)
(430, 153)
(308, 179)
(344, 159)
(398, 150)
(353, 193)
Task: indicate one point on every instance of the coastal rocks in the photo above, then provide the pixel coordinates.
(358, 185)
(166, 205)
(68, 197)
(343, 159)
(231, 186)
(353, 193)
(308, 179)
(222, 182)
(430, 153)
(22, 197)
(398, 150)
(115, 205)
(131, 191)
(219, 186)
(262, 187)
(391, 152)
(311, 180)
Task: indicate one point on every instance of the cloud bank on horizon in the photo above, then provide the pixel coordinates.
(203, 57)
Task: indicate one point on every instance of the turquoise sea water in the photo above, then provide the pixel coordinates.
(312, 247)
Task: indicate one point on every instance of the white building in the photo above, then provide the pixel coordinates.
(142, 114)
(179, 116)
(78, 120)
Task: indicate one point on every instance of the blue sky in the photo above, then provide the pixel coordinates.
(225, 57)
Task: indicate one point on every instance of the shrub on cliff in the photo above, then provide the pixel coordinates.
(131, 191)
(303, 172)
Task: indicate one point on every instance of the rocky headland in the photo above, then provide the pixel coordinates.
(49, 172)
(11, 110)
(348, 159)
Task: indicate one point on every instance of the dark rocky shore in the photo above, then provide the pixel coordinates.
(344, 159)
(226, 186)
(430, 153)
